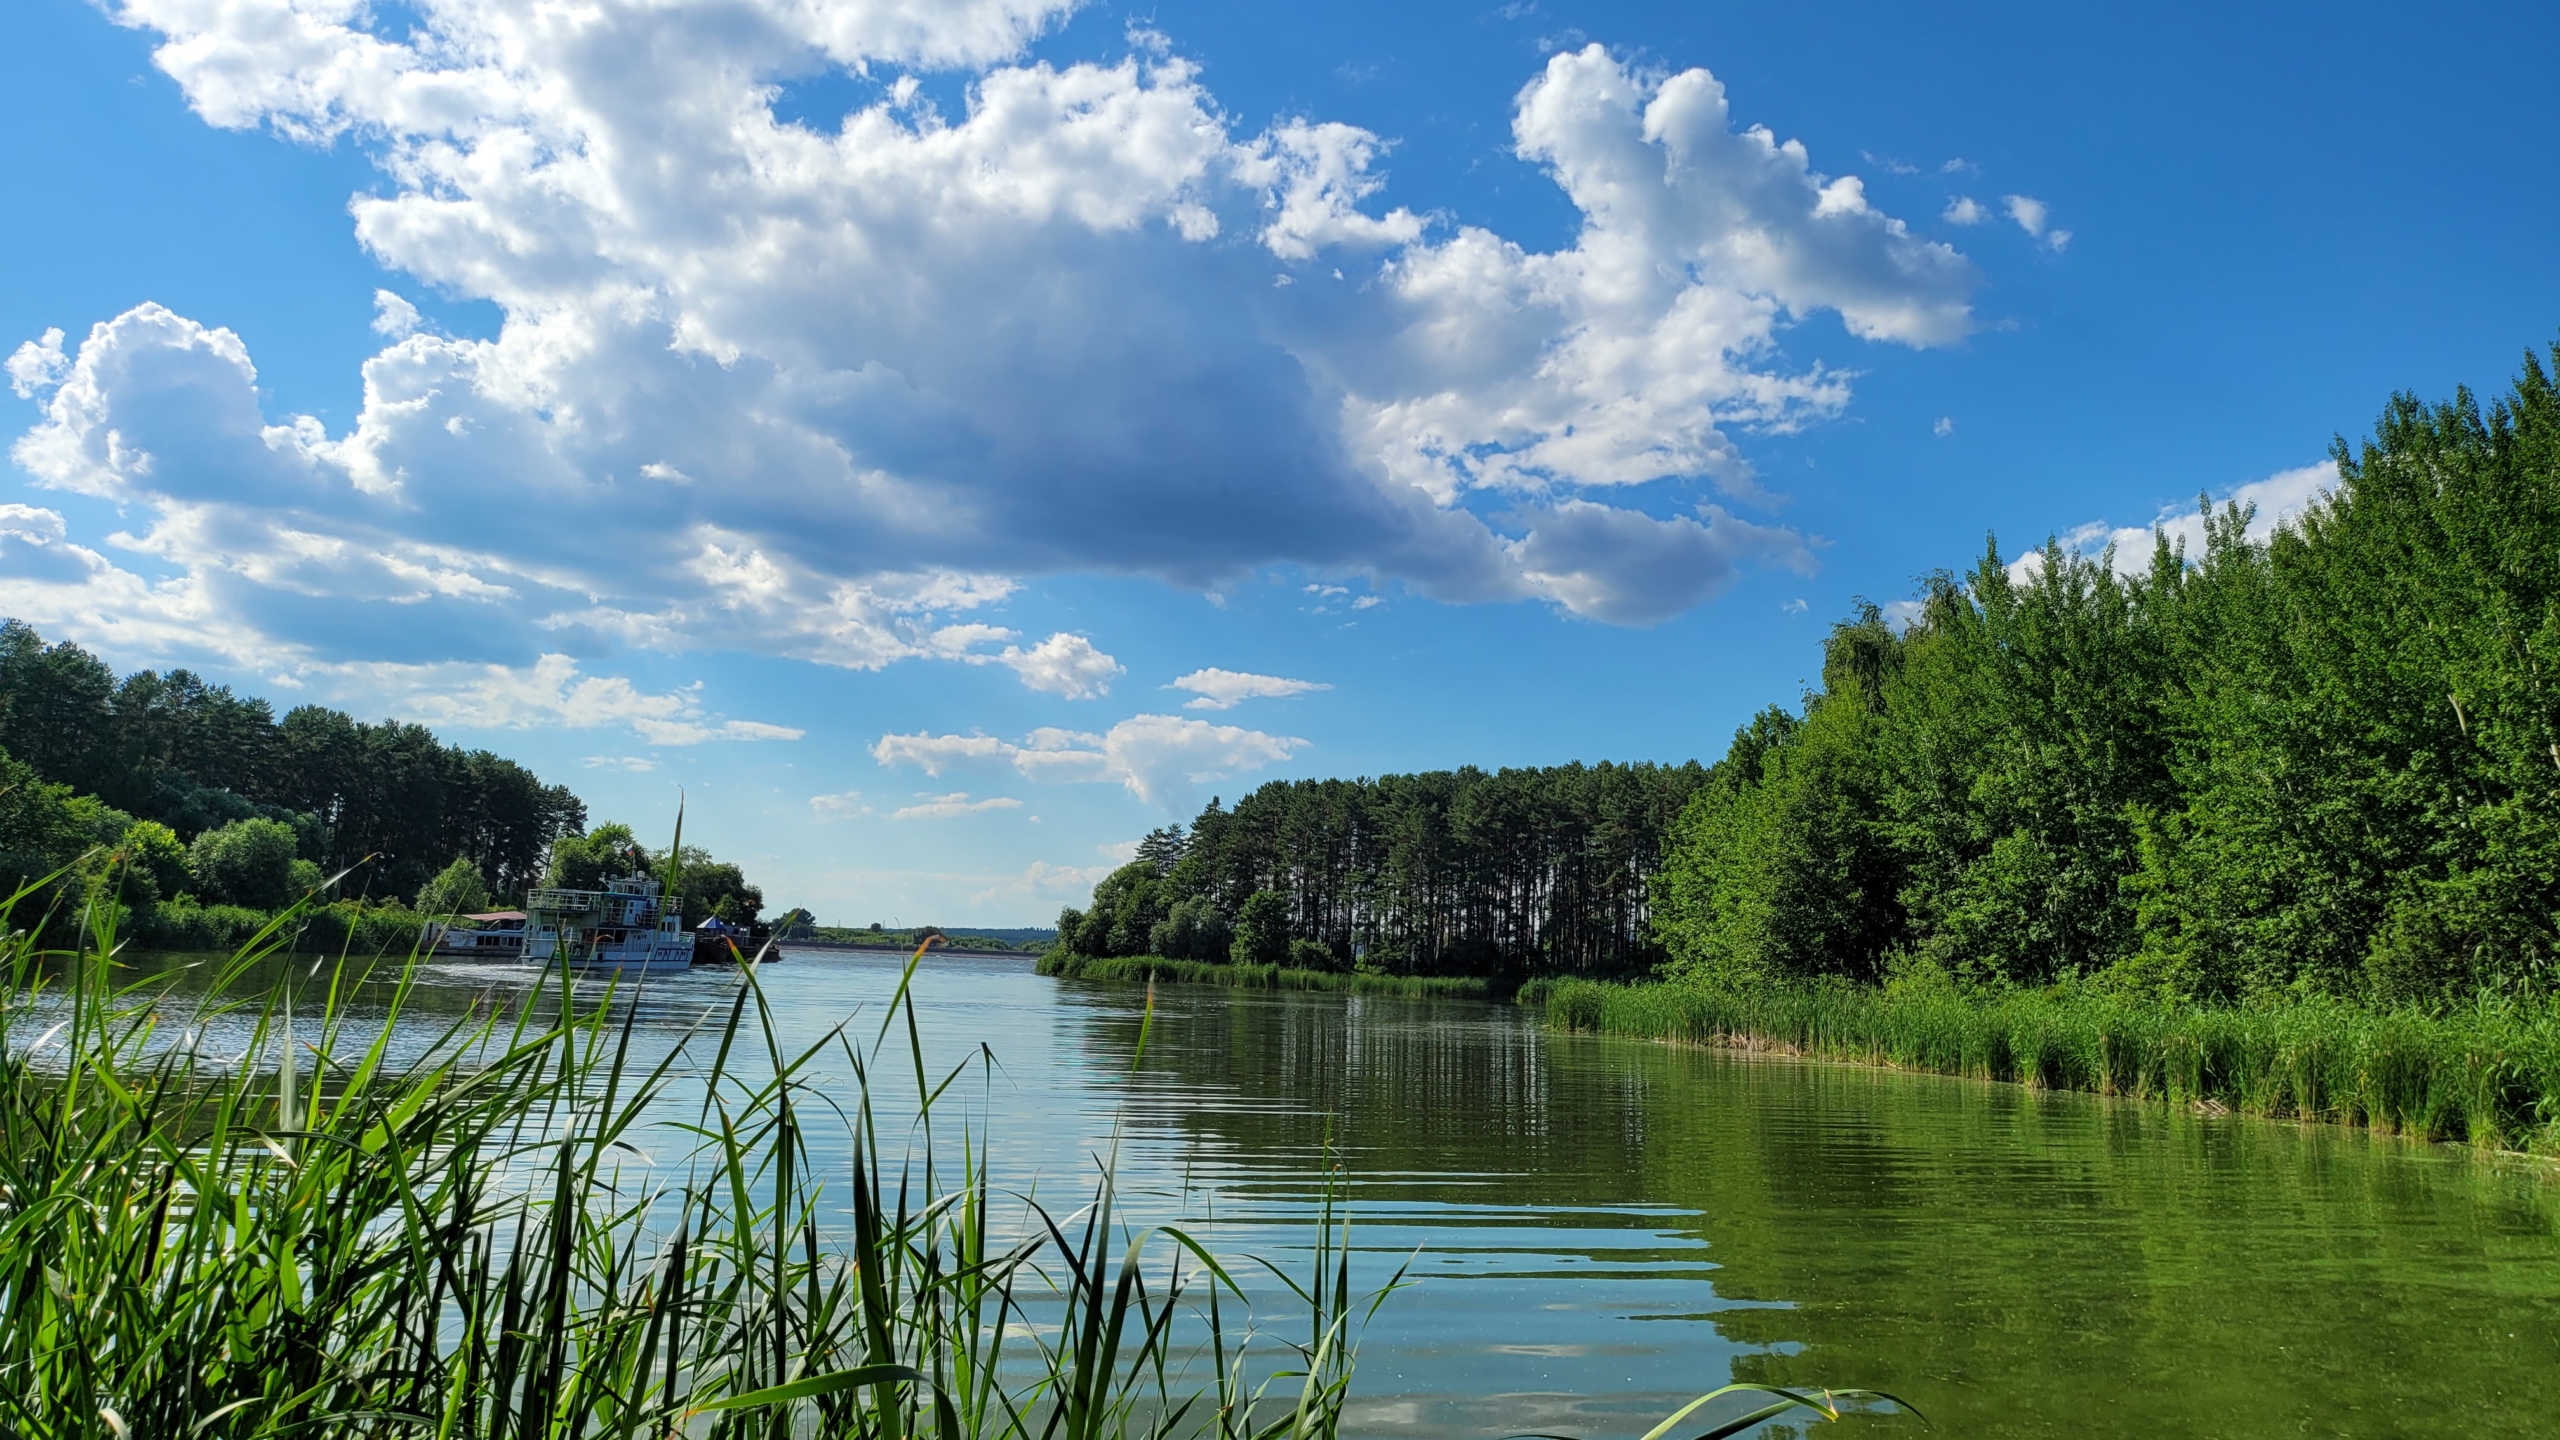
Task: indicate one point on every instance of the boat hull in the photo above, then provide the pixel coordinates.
(631, 958)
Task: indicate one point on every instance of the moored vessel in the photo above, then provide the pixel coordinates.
(623, 928)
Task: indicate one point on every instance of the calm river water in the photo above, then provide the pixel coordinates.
(1604, 1229)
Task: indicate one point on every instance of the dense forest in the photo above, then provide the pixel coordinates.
(2323, 761)
(218, 772)
(1451, 872)
(195, 757)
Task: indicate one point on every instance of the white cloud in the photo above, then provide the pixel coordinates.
(740, 356)
(1065, 665)
(1152, 756)
(934, 754)
(1225, 689)
(1945, 427)
(1042, 877)
(393, 316)
(686, 732)
(943, 807)
(1794, 607)
(2032, 215)
(38, 364)
(842, 806)
(1964, 210)
(2275, 502)
(552, 693)
(633, 764)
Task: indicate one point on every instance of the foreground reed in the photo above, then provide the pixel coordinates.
(2487, 1073)
(310, 1237)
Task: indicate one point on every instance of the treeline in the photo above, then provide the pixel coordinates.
(800, 925)
(2326, 762)
(1458, 872)
(195, 757)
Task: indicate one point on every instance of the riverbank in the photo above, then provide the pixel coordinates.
(1261, 977)
(351, 927)
(2487, 1074)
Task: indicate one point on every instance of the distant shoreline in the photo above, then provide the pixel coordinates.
(837, 947)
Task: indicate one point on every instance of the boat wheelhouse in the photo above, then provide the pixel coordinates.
(623, 928)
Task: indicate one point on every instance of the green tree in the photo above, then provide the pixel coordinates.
(457, 889)
(155, 863)
(712, 888)
(247, 862)
(585, 862)
(1262, 929)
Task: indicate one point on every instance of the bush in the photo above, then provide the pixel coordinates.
(1310, 955)
(456, 890)
(155, 863)
(185, 923)
(247, 862)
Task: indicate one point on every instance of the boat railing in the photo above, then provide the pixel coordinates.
(565, 902)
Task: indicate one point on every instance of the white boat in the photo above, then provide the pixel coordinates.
(495, 935)
(621, 929)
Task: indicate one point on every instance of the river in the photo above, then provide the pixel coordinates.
(1601, 1230)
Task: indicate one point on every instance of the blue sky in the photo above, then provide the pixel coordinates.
(841, 410)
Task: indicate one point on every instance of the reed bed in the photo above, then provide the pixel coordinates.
(1260, 977)
(314, 1235)
(2487, 1073)
(311, 1238)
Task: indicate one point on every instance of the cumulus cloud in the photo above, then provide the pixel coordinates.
(1218, 689)
(1628, 568)
(943, 807)
(1964, 210)
(2274, 502)
(2032, 216)
(1151, 756)
(842, 806)
(1064, 664)
(38, 364)
(553, 693)
(740, 355)
(1041, 877)
(393, 316)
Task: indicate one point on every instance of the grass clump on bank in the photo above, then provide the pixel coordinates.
(2487, 1073)
(1060, 963)
(234, 1212)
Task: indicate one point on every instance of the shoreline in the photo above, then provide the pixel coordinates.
(2481, 1080)
(1134, 968)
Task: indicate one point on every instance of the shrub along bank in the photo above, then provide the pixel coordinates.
(2487, 1072)
(1067, 965)
(346, 926)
